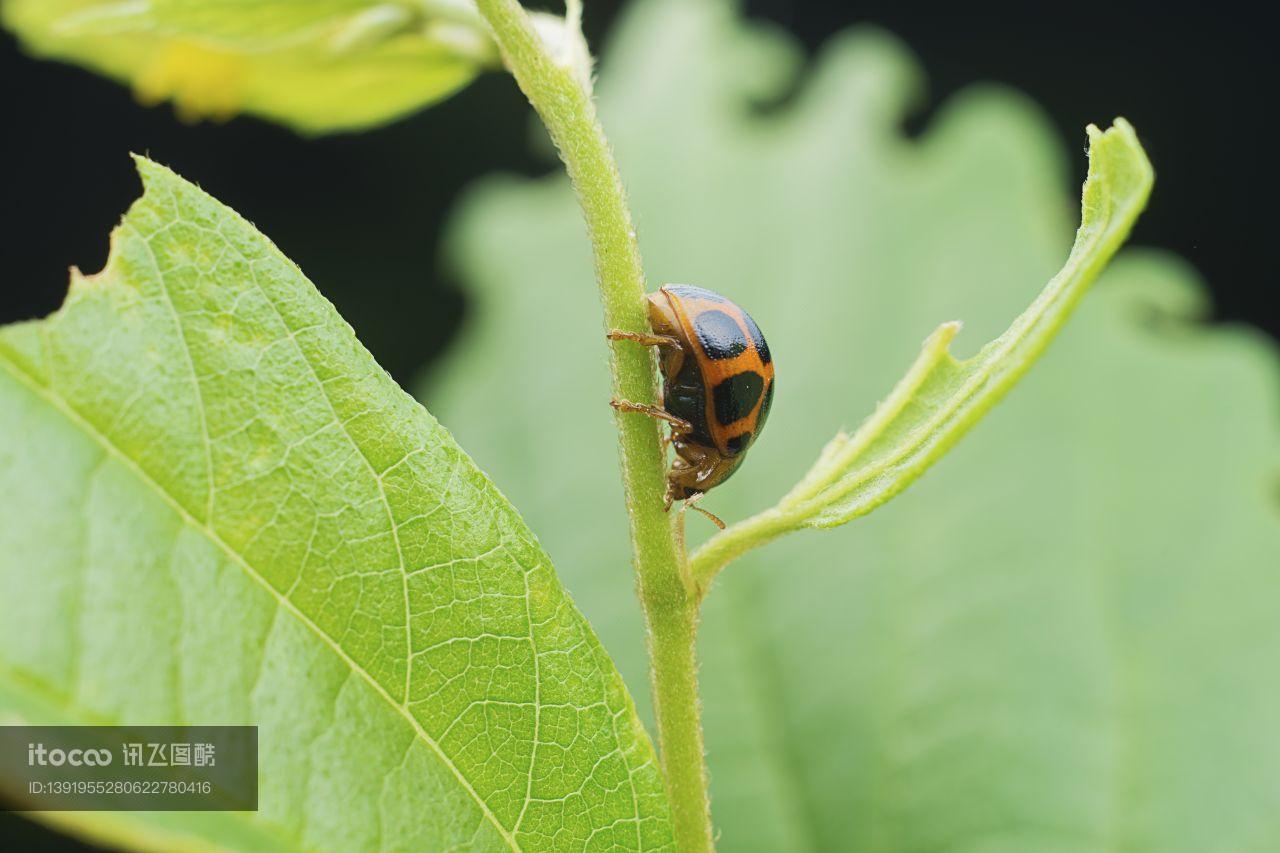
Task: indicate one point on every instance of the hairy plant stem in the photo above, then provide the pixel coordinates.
(667, 595)
(719, 551)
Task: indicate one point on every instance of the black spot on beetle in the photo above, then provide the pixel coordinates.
(738, 443)
(735, 397)
(764, 408)
(757, 338)
(719, 334)
(691, 408)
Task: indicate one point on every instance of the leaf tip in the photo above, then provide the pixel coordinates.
(1119, 181)
(156, 176)
(149, 170)
(1119, 148)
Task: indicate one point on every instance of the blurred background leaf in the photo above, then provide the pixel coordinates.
(363, 213)
(318, 66)
(1060, 639)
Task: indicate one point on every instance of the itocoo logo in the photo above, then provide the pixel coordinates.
(38, 755)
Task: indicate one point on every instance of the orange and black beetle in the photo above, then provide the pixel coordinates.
(717, 384)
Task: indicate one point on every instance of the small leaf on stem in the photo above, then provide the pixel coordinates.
(941, 397)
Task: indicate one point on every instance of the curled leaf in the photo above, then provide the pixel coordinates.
(941, 397)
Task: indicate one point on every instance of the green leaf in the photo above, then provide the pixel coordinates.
(1060, 639)
(941, 398)
(318, 66)
(219, 509)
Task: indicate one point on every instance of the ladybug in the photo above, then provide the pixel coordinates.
(717, 384)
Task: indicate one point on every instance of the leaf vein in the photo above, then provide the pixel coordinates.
(147, 480)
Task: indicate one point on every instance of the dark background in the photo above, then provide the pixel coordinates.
(362, 214)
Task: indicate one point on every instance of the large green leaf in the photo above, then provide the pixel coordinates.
(219, 509)
(1063, 638)
(317, 65)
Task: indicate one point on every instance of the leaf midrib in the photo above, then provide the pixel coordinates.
(88, 428)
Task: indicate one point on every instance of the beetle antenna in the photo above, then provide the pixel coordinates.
(691, 503)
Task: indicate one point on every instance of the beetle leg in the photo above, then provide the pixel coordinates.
(642, 338)
(667, 438)
(679, 425)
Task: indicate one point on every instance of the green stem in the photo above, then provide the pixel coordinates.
(722, 549)
(673, 669)
(669, 602)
